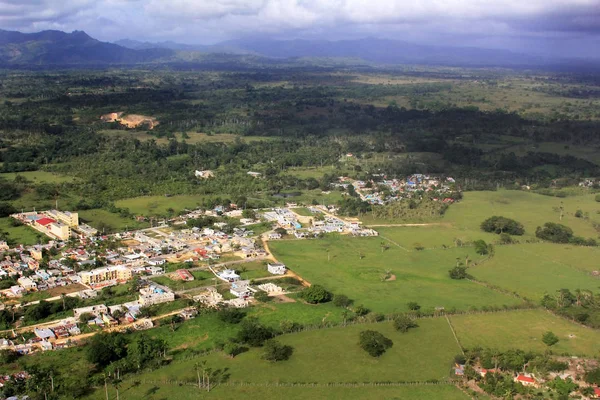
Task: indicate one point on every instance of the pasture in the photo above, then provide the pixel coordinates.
(148, 391)
(523, 329)
(530, 209)
(159, 205)
(38, 176)
(357, 267)
(19, 234)
(533, 270)
(110, 222)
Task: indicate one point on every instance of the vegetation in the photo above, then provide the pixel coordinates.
(502, 225)
(374, 343)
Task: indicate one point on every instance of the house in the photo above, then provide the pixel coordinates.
(112, 273)
(154, 295)
(27, 283)
(526, 380)
(184, 275)
(277, 268)
(44, 333)
(459, 369)
(228, 275)
(204, 174)
(597, 393)
(156, 261)
(188, 313)
(241, 289)
(96, 310)
(274, 236)
(254, 174)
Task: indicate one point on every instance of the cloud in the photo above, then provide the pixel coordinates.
(204, 21)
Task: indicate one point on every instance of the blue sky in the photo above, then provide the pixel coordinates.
(558, 27)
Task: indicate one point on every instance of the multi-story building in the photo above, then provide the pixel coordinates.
(66, 217)
(153, 295)
(112, 273)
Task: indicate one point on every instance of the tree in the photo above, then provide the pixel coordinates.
(105, 348)
(361, 310)
(253, 333)
(549, 339)
(578, 214)
(402, 323)
(231, 315)
(262, 296)
(374, 343)
(458, 273)
(481, 247)
(341, 300)
(556, 233)
(418, 246)
(413, 306)
(232, 349)
(315, 294)
(275, 351)
(248, 213)
(501, 225)
(593, 376)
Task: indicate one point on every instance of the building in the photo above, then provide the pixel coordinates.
(96, 310)
(526, 380)
(68, 218)
(277, 268)
(27, 283)
(241, 289)
(228, 275)
(87, 230)
(204, 174)
(99, 275)
(153, 295)
(44, 333)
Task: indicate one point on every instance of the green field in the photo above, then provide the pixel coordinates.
(303, 211)
(38, 176)
(424, 353)
(159, 205)
(433, 236)
(523, 330)
(111, 222)
(202, 278)
(157, 391)
(19, 234)
(530, 209)
(533, 270)
(420, 276)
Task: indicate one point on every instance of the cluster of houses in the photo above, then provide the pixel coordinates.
(59, 225)
(397, 189)
(576, 371)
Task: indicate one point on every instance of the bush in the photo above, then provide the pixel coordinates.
(578, 214)
(550, 339)
(501, 225)
(458, 273)
(316, 294)
(418, 246)
(598, 198)
(374, 343)
(262, 296)
(231, 315)
(361, 310)
(341, 300)
(254, 334)
(275, 351)
(481, 247)
(403, 323)
(555, 233)
(413, 306)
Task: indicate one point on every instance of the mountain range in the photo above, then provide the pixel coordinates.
(61, 48)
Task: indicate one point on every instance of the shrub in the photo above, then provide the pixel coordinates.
(598, 198)
(413, 306)
(275, 351)
(501, 225)
(374, 343)
(262, 296)
(403, 323)
(231, 315)
(254, 334)
(550, 339)
(418, 246)
(458, 273)
(315, 294)
(361, 310)
(341, 300)
(578, 214)
(481, 247)
(555, 233)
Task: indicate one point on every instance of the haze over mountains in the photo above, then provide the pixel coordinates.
(60, 48)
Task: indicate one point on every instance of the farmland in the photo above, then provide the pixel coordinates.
(523, 329)
(356, 268)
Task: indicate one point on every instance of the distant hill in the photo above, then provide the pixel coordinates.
(216, 48)
(56, 47)
(386, 51)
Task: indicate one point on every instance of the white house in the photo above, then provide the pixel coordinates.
(204, 174)
(27, 283)
(241, 289)
(276, 268)
(229, 275)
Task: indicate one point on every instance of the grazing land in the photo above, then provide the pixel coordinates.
(523, 329)
(357, 268)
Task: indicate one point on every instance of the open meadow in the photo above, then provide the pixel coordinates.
(110, 222)
(358, 267)
(533, 270)
(523, 329)
(159, 205)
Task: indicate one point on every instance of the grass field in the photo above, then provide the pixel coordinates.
(533, 270)
(159, 205)
(422, 354)
(38, 176)
(303, 211)
(160, 391)
(523, 330)
(420, 276)
(19, 234)
(530, 209)
(433, 236)
(202, 278)
(112, 222)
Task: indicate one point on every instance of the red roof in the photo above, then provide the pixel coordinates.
(523, 378)
(597, 391)
(45, 221)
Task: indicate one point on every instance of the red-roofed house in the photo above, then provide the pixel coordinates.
(526, 380)
(597, 392)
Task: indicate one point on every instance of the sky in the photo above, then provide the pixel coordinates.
(557, 27)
